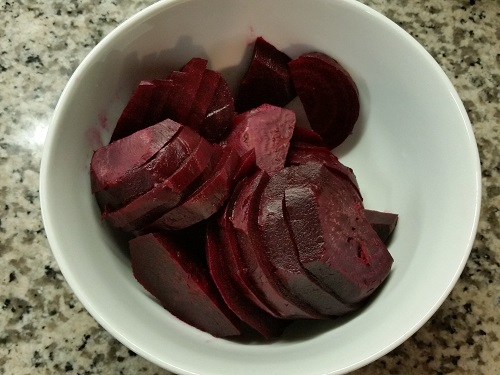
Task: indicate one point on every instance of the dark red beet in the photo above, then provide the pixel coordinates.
(217, 122)
(208, 87)
(207, 199)
(383, 223)
(303, 153)
(308, 136)
(164, 89)
(329, 95)
(195, 69)
(112, 162)
(244, 221)
(149, 206)
(231, 252)
(334, 239)
(266, 129)
(140, 180)
(267, 79)
(133, 117)
(281, 251)
(181, 284)
(247, 166)
(232, 295)
(185, 88)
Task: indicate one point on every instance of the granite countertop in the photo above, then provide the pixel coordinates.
(43, 327)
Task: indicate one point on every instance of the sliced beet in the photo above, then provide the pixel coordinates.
(281, 251)
(164, 90)
(303, 153)
(231, 252)
(181, 284)
(329, 95)
(334, 239)
(207, 199)
(247, 166)
(204, 95)
(267, 129)
(217, 121)
(244, 220)
(133, 117)
(140, 180)
(151, 205)
(267, 79)
(383, 223)
(232, 294)
(307, 136)
(196, 65)
(112, 162)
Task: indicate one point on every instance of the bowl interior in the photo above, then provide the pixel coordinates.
(412, 150)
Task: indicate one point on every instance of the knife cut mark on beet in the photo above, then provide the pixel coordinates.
(179, 282)
(329, 95)
(267, 80)
(217, 121)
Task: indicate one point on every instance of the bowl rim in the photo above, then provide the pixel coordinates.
(139, 17)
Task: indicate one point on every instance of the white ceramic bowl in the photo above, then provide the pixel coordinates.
(413, 151)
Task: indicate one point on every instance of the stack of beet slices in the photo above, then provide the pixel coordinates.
(240, 217)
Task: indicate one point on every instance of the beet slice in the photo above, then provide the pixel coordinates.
(231, 252)
(207, 199)
(179, 282)
(267, 79)
(247, 166)
(139, 180)
(303, 153)
(308, 136)
(334, 239)
(186, 85)
(197, 66)
(217, 122)
(149, 206)
(133, 115)
(112, 162)
(281, 251)
(203, 99)
(163, 90)
(383, 223)
(244, 220)
(233, 296)
(329, 95)
(267, 129)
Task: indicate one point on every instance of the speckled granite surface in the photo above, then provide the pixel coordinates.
(43, 327)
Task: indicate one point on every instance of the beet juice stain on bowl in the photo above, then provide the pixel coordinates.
(284, 272)
(89, 254)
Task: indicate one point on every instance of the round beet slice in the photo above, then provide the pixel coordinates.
(328, 94)
(179, 281)
(231, 292)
